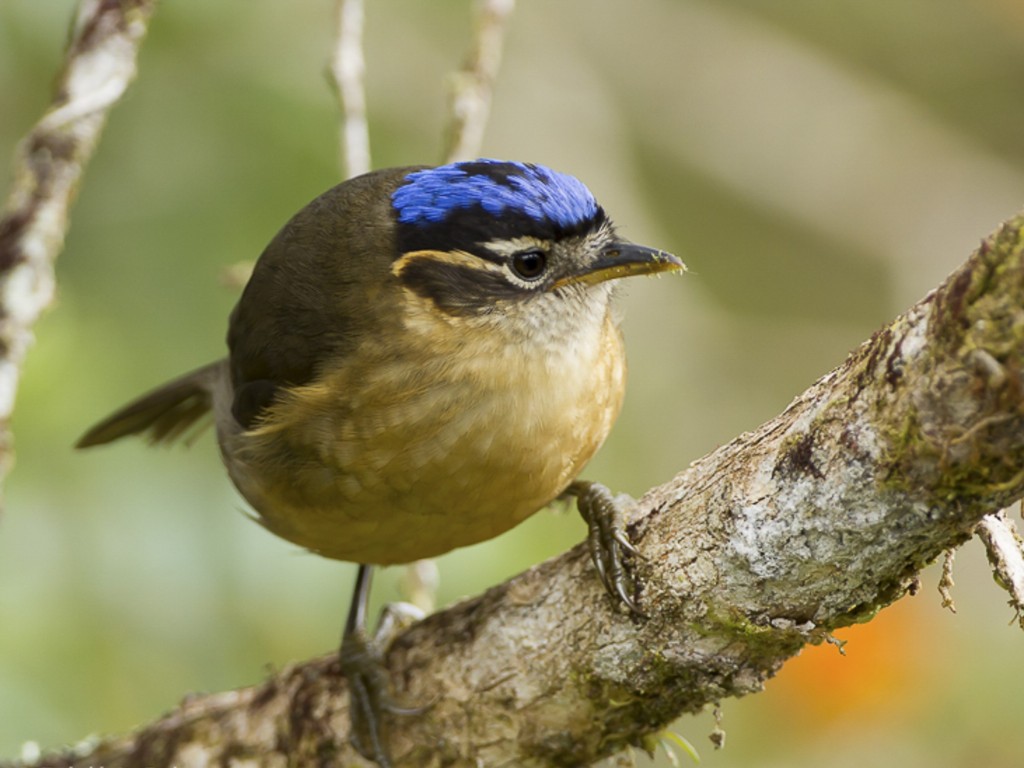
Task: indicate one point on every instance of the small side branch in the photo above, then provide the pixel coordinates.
(1006, 555)
(472, 86)
(348, 66)
(99, 63)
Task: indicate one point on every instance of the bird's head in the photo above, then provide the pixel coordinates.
(494, 237)
(503, 257)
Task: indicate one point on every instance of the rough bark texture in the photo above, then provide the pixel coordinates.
(815, 521)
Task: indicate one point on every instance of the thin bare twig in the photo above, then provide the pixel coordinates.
(1006, 555)
(419, 584)
(99, 63)
(472, 86)
(347, 69)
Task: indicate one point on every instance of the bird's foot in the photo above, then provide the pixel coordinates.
(362, 663)
(607, 538)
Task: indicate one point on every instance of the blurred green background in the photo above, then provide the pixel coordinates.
(820, 166)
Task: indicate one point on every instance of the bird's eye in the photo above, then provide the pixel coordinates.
(529, 265)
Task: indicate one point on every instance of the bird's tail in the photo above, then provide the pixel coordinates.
(163, 415)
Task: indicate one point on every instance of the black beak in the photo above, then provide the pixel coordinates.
(622, 260)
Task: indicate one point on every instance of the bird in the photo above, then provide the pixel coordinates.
(422, 358)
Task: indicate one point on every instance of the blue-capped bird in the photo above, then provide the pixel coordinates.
(422, 358)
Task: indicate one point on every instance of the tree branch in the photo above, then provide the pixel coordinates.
(816, 520)
(99, 65)
(1006, 555)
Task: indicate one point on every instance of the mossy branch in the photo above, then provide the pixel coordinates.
(815, 521)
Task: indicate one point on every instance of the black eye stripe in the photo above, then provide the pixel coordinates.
(457, 289)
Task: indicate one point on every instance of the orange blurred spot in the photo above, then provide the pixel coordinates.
(888, 670)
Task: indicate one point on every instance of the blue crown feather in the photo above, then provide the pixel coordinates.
(430, 195)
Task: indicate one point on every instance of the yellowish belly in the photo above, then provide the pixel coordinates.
(393, 468)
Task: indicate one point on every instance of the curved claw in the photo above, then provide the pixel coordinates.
(362, 663)
(607, 539)
(363, 667)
